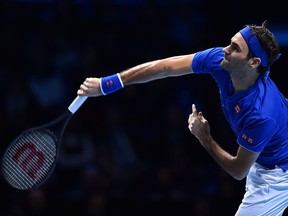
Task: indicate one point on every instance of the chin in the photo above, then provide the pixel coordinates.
(224, 64)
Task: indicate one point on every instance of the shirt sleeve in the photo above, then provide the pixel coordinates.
(207, 61)
(257, 134)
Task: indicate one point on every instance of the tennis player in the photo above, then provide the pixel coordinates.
(254, 107)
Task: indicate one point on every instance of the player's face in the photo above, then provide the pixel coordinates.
(235, 56)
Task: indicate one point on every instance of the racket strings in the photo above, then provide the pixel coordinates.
(30, 158)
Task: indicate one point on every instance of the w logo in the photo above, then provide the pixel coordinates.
(29, 158)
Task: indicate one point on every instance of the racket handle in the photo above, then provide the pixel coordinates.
(78, 101)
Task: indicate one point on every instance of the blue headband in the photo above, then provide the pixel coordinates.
(254, 45)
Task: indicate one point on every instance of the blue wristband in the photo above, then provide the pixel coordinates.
(111, 84)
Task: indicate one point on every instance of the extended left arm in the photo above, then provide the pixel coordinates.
(237, 166)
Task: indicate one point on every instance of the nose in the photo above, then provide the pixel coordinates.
(226, 50)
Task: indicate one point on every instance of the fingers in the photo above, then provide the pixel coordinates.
(80, 92)
(84, 87)
(194, 110)
(190, 127)
(90, 87)
(195, 114)
(86, 83)
(192, 117)
(197, 124)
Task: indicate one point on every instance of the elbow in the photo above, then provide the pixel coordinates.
(238, 170)
(239, 175)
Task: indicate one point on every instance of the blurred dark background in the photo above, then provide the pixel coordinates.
(128, 153)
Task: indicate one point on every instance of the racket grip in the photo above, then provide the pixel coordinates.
(78, 101)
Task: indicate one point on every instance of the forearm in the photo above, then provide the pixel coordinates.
(158, 69)
(143, 73)
(225, 160)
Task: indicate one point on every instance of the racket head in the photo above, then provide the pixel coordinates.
(30, 159)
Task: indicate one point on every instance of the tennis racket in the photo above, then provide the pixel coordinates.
(31, 157)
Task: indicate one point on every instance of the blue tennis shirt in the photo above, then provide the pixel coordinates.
(258, 116)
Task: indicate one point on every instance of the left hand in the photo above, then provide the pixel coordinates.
(198, 125)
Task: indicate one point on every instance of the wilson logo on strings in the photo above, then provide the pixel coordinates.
(29, 158)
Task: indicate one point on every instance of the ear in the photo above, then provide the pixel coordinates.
(254, 62)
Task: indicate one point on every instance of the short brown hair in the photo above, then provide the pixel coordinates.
(268, 42)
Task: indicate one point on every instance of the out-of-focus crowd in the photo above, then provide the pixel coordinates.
(129, 153)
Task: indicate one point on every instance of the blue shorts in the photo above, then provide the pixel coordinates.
(266, 192)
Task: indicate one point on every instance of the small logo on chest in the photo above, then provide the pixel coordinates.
(245, 137)
(237, 108)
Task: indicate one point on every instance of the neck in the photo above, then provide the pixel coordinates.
(243, 83)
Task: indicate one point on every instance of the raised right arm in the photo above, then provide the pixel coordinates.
(158, 69)
(146, 72)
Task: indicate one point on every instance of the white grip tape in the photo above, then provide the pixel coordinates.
(78, 101)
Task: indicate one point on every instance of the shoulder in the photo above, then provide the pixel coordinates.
(208, 60)
(211, 52)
